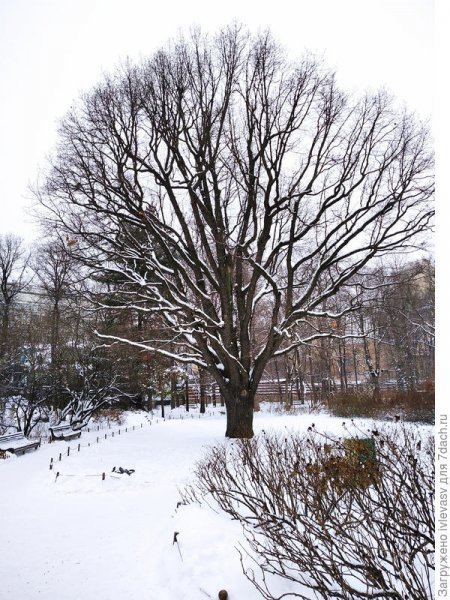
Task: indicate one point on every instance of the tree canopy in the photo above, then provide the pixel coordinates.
(218, 179)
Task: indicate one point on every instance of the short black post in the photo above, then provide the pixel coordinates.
(79, 446)
(68, 450)
(103, 477)
(60, 456)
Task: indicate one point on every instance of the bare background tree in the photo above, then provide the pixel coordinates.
(217, 178)
(13, 280)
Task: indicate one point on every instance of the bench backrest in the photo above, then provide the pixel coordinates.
(11, 437)
(62, 427)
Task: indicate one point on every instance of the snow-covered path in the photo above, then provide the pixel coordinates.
(83, 538)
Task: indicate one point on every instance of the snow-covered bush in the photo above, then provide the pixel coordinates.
(339, 518)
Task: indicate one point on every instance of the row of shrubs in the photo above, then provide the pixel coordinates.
(414, 405)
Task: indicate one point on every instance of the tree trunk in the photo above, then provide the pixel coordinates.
(202, 385)
(186, 394)
(54, 337)
(173, 392)
(376, 392)
(4, 330)
(239, 417)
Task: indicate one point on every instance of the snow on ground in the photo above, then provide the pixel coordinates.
(80, 538)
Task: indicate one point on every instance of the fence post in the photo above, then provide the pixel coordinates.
(68, 450)
(79, 446)
(103, 477)
(60, 456)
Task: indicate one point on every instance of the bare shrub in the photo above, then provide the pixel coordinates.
(413, 405)
(337, 518)
(353, 403)
(109, 415)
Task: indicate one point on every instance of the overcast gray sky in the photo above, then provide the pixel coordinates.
(52, 50)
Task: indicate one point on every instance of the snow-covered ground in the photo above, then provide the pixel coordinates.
(79, 537)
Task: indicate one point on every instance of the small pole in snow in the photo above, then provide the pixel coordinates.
(97, 440)
(51, 466)
(119, 431)
(175, 541)
(60, 456)
(113, 434)
(106, 435)
(68, 450)
(103, 477)
(141, 425)
(57, 475)
(79, 446)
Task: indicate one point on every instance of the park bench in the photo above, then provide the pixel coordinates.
(64, 431)
(16, 443)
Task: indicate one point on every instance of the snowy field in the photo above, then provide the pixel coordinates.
(79, 537)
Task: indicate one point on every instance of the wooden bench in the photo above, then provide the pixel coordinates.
(16, 443)
(63, 431)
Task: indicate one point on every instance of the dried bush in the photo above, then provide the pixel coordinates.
(109, 415)
(360, 402)
(356, 402)
(339, 518)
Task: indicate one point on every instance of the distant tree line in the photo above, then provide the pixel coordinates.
(52, 364)
(387, 342)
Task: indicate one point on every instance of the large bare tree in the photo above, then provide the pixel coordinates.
(217, 178)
